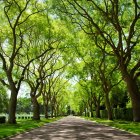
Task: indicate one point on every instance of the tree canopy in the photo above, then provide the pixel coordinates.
(75, 57)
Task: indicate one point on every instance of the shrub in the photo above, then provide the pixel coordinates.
(2, 119)
(103, 113)
(94, 113)
(119, 113)
(128, 114)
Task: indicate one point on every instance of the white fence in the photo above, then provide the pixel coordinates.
(22, 116)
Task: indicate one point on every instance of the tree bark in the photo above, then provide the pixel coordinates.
(85, 111)
(46, 110)
(57, 111)
(91, 110)
(135, 97)
(12, 107)
(36, 108)
(108, 107)
(52, 111)
(88, 114)
(98, 110)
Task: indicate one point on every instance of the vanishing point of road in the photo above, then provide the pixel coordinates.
(75, 128)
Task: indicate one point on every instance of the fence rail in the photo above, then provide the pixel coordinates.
(22, 116)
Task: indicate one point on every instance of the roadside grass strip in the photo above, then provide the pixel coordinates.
(8, 130)
(129, 126)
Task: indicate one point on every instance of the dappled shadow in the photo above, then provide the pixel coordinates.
(74, 128)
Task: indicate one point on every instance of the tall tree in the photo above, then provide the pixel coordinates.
(3, 99)
(117, 23)
(17, 16)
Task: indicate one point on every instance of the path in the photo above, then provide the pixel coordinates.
(75, 128)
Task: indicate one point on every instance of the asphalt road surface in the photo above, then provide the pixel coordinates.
(75, 128)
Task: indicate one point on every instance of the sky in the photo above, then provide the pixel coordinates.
(23, 92)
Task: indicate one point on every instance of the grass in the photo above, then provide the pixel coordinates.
(7, 130)
(129, 126)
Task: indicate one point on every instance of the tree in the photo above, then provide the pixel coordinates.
(24, 105)
(36, 76)
(3, 100)
(112, 21)
(53, 85)
(14, 44)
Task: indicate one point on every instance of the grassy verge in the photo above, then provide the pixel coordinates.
(129, 126)
(22, 126)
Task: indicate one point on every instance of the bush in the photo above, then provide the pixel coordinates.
(128, 114)
(119, 113)
(103, 114)
(123, 113)
(94, 113)
(2, 119)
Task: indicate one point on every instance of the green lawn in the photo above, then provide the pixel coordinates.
(21, 126)
(121, 124)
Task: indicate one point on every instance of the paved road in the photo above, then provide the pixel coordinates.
(75, 128)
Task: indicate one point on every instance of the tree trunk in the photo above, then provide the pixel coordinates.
(57, 110)
(88, 112)
(12, 107)
(36, 109)
(98, 110)
(135, 98)
(85, 111)
(46, 110)
(134, 92)
(55, 113)
(52, 111)
(108, 106)
(91, 110)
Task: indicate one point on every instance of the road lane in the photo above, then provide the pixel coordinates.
(75, 128)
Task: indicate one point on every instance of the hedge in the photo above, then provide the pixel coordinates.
(2, 119)
(123, 113)
(118, 113)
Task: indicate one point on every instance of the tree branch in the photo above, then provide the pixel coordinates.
(4, 83)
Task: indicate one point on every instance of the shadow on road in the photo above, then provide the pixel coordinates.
(74, 128)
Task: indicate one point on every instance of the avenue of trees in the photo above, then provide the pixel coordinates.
(113, 25)
(73, 56)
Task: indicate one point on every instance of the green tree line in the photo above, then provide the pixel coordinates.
(96, 43)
